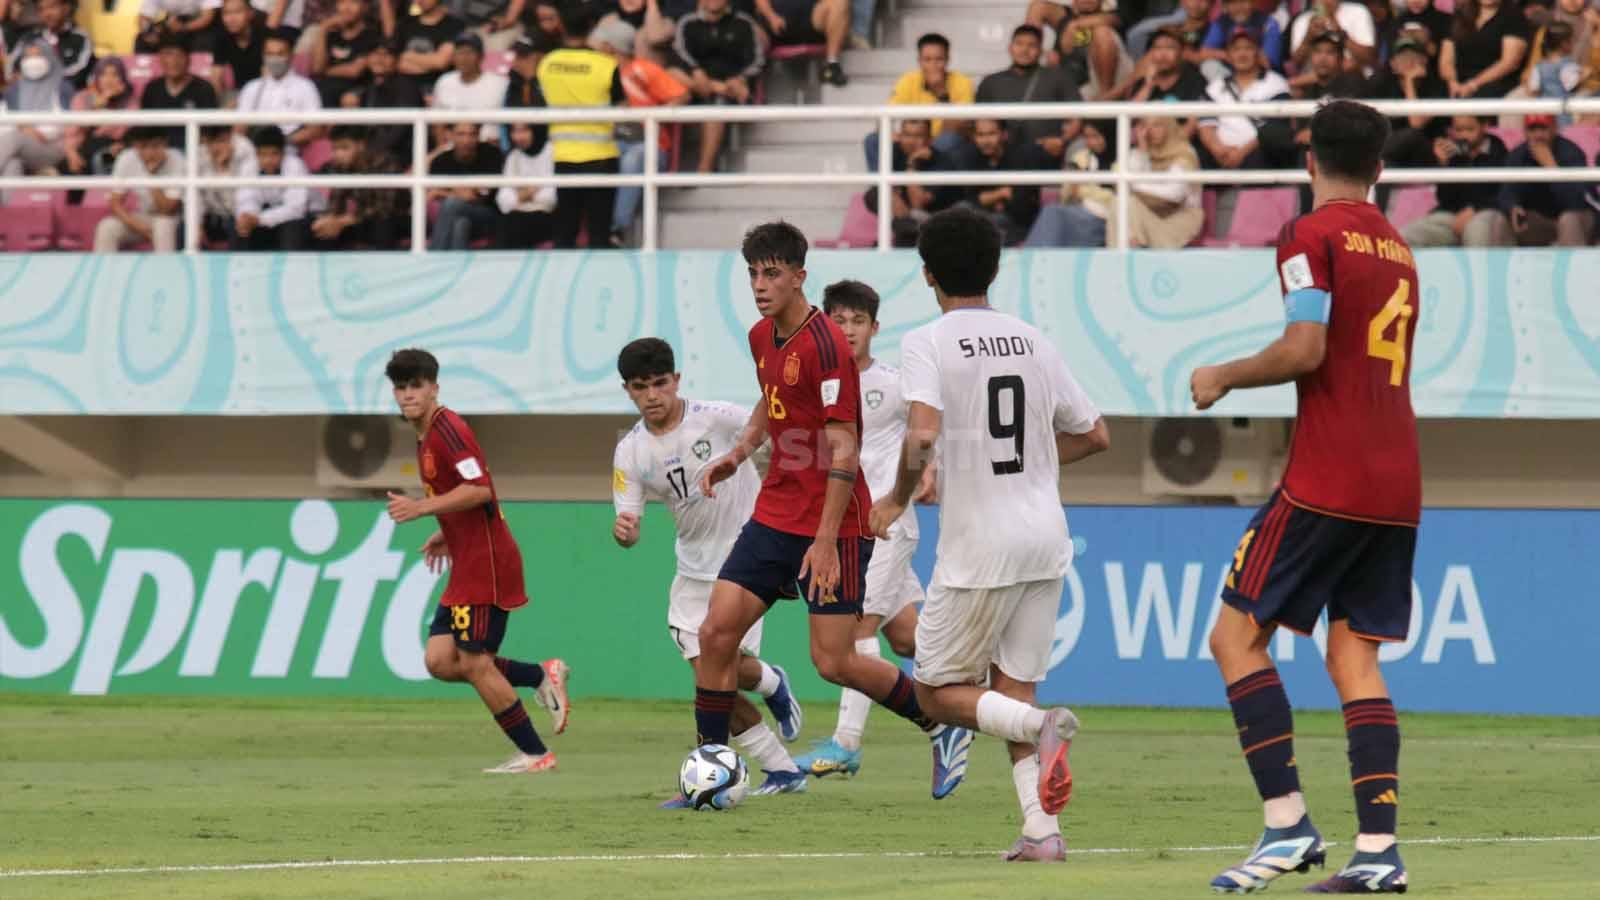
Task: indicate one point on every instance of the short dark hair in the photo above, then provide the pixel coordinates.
(577, 20)
(961, 250)
(646, 358)
(1034, 30)
(1347, 138)
(209, 133)
(172, 40)
(267, 136)
(1169, 32)
(775, 241)
(935, 39)
(139, 134)
(346, 132)
(282, 33)
(850, 294)
(411, 364)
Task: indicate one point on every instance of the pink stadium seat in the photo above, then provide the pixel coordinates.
(1410, 203)
(1258, 217)
(316, 154)
(301, 64)
(498, 63)
(75, 224)
(798, 51)
(29, 221)
(1585, 136)
(860, 228)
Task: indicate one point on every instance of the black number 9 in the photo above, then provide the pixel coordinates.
(1016, 429)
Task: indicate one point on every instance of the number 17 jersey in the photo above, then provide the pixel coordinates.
(1004, 393)
(1354, 452)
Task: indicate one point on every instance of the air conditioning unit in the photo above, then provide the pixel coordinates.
(1199, 457)
(373, 452)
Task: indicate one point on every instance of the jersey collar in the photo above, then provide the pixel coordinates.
(779, 342)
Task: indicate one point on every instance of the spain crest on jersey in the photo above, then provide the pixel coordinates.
(791, 370)
(429, 469)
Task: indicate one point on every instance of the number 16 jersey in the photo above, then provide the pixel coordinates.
(1354, 452)
(1004, 393)
(668, 467)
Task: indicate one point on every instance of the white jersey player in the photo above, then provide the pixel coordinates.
(660, 458)
(893, 590)
(1005, 412)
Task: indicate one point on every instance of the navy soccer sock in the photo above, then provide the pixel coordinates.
(713, 715)
(520, 674)
(1374, 734)
(1266, 732)
(902, 701)
(513, 720)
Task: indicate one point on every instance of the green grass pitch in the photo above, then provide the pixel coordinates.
(118, 783)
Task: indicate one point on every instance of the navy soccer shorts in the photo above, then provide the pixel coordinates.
(766, 562)
(1293, 563)
(476, 629)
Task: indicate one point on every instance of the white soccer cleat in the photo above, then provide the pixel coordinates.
(523, 764)
(552, 692)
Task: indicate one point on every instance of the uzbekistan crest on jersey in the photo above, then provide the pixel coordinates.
(791, 370)
(874, 398)
(702, 449)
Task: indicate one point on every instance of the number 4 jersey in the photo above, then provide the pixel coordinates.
(1354, 452)
(1004, 393)
(667, 467)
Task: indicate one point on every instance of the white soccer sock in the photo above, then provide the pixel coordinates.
(761, 745)
(1035, 824)
(1282, 812)
(768, 685)
(854, 705)
(1001, 716)
(1373, 843)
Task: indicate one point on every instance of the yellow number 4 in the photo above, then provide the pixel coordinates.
(1396, 312)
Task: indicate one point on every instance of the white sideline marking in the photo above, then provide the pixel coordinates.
(659, 857)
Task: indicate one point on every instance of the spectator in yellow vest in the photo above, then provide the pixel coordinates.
(577, 76)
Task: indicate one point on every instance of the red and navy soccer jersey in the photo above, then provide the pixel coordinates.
(807, 380)
(1354, 452)
(485, 564)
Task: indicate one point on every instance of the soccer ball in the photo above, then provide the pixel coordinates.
(713, 777)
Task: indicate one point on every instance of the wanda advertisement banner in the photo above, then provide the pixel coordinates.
(311, 597)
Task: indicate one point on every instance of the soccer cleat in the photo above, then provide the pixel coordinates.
(1367, 873)
(827, 757)
(1055, 776)
(1027, 849)
(781, 783)
(785, 708)
(552, 692)
(1279, 852)
(678, 802)
(950, 746)
(523, 764)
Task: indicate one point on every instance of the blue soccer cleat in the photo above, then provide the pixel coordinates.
(1367, 873)
(785, 709)
(950, 746)
(1279, 852)
(678, 802)
(827, 757)
(781, 783)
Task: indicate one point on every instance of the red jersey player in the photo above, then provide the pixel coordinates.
(485, 566)
(1340, 531)
(809, 535)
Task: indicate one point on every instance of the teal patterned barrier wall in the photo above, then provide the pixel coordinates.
(1502, 333)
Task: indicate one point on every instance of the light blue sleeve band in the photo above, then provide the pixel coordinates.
(1308, 305)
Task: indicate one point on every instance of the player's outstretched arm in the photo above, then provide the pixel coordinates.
(1299, 351)
(1073, 447)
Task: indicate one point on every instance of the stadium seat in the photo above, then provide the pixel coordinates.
(301, 64)
(498, 63)
(1585, 136)
(29, 221)
(1410, 203)
(316, 154)
(1258, 217)
(75, 224)
(860, 228)
(808, 55)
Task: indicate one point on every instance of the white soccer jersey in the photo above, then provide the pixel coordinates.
(667, 468)
(883, 424)
(1004, 392)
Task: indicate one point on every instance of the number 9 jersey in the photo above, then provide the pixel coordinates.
(1004, 393)
(1354, 452)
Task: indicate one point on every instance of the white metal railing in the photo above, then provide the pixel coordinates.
(652, 180)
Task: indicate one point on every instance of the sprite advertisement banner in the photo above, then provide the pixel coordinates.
(312, 597)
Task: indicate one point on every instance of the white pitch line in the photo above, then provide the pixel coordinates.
(690, 857)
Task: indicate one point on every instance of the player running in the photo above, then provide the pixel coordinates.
(1340, 531)
(485, 567)
(661, 458)
(1006, 414)
(893, 590)
(808, 536)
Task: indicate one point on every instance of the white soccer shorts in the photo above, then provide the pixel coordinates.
(691, 600)
(963, 631)
(891, 584)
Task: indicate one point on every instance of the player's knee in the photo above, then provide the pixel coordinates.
(1224, 646)
(833, 667)
(718, 640)
(440, 661)
(1350, 664)
(905, 648)
(474, 666)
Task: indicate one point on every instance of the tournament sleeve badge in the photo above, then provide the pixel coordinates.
(791, 370)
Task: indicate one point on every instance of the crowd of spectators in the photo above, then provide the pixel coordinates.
(475, 56)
